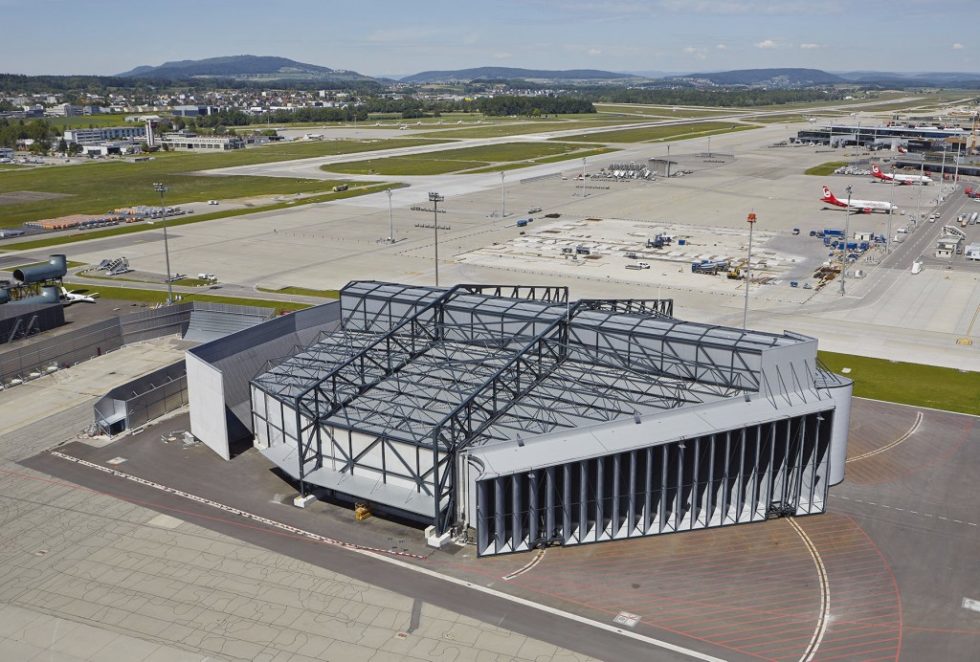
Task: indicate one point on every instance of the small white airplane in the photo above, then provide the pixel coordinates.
(858, 206)
(68, 298)
(900, 179)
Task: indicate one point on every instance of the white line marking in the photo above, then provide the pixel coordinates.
(818, 634)
(527, 566)
(973, 605)
(385, 556)
(910, 512)
(902, 404)
(911, 431)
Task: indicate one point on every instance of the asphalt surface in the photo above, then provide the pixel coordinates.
(502, 613)
(898, 546)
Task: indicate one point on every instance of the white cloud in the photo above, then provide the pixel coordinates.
(767, 43)
(594, 51)
(957, 46)
(810, 46)
(721, 47)
(502, 55)
(698, 53)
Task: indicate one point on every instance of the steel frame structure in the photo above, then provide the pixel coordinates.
(417, 372)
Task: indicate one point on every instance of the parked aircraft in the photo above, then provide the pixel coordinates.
(858, 206)
(68, 298)
(899, 179)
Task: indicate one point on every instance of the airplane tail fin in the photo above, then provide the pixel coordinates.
(828, 196)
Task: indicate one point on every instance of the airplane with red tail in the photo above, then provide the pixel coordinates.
(857, 206)
(899, 179)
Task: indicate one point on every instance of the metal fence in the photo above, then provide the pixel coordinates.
(93, 340)
(38, 356)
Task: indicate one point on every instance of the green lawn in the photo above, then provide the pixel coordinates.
(303, 291)
(160, 296)
(909, 383)
(825, 169)
(476, 159)
(660, 133)
(354, 190)
(100, 186)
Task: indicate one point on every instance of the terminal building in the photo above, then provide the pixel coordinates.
(913, 138)
(526, 419)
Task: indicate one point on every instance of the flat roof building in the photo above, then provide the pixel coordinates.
(106, 134)
(192, 141)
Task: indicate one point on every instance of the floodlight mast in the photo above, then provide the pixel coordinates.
(161, 188)
(503, 197)
(748, 272)
(847, 231)
(391, 222)
(435, 199)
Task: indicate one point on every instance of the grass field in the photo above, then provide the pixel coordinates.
(160, 296)
(909, 383)
(486, 158)
(660, 133)
(98, 187)
(303, 291)
(518, 127)
(666, 112)
(46, 242)
(825, 169)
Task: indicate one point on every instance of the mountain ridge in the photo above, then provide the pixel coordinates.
(511, 73)
(244, 67)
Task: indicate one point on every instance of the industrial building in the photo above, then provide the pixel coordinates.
(528, 419)
(109, 133)
(188, 140)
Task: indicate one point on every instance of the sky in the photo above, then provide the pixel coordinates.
(399, 38)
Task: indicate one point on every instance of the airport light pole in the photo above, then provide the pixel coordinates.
(956, 168)
(503, 197)
(891, 210)
(391, 222)
(942, 176)
(847, 231)
(748, 273)
(435, 199)
(161, 188)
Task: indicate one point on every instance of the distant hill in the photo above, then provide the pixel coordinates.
(512, 73)
(925, 79)
(767, 77)
(245, 67)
